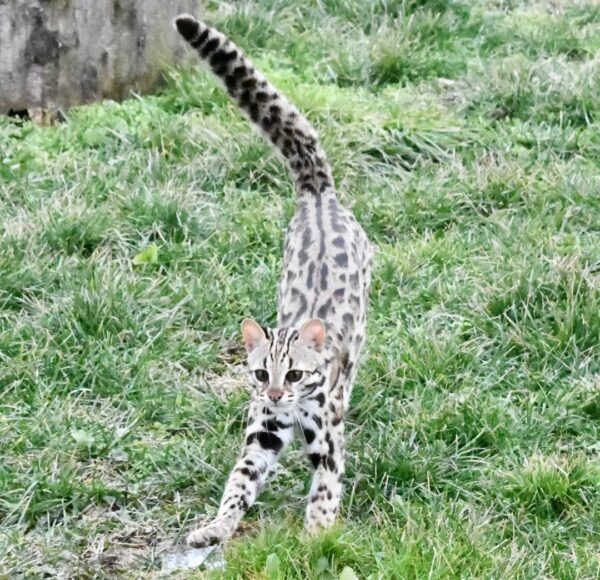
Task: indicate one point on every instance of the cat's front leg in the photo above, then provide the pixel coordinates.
(266, 437)
(324, 446)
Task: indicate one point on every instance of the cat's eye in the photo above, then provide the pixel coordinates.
(293, 376)
(261, 375)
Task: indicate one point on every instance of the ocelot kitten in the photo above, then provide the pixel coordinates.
(302, 371)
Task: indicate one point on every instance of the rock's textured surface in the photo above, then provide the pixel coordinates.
(60, 53)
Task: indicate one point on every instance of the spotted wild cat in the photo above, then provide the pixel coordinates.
(301, 372)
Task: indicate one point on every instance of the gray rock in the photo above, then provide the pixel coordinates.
(55, 54)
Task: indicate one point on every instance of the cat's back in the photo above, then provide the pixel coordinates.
(326, 267)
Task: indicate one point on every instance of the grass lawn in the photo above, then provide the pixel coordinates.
(466, 137)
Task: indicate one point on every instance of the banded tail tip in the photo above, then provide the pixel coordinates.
(187, 26)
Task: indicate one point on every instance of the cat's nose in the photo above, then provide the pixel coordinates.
(275, 395)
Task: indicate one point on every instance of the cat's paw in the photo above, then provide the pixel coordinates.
(214, 533)
(319, 518)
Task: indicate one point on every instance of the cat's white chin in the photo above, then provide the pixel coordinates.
(282, 406)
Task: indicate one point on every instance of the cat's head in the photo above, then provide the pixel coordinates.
(285, 364)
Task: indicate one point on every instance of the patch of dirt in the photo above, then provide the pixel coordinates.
(133, 548)
(223, 383)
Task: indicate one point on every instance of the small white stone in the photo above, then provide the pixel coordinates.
(209, 557)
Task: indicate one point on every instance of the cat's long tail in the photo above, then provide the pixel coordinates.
(278, 119)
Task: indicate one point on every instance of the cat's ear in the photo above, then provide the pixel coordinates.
(253, 334)
(312, 334)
